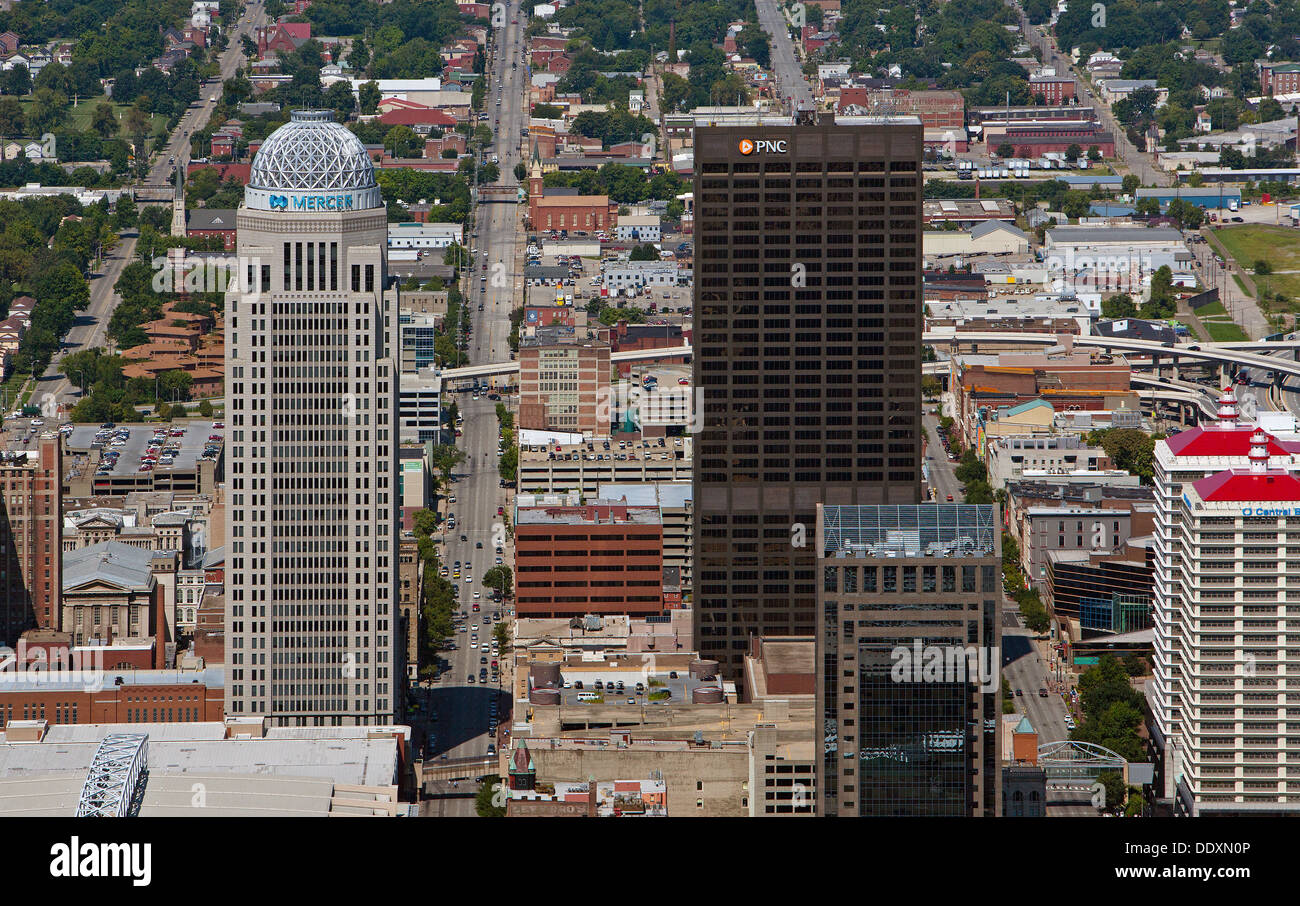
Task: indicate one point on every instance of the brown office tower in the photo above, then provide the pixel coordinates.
(909, 664)
(807, 352)
(31, 538)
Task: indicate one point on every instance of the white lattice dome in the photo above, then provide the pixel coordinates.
(311, 152)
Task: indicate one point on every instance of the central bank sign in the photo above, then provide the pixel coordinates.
(762, 146)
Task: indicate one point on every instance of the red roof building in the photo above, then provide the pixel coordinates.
(420, 119)
(1244, 486)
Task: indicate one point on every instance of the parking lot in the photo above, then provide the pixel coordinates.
(144, 448)
(678, 688)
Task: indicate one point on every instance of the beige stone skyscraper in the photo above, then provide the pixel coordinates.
(311, 371)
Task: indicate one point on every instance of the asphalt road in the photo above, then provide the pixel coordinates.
(463, 706)
(91, 325)
(785, 64)
(942, 479)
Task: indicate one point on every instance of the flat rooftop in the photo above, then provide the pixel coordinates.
(925, 530)
(617, 450)
(590, 514)
(276, 776)
(131, 441)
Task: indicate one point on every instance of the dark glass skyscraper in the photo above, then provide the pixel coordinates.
(807, 351)
(909, 662)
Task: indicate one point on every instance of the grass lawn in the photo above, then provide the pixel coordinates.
(1286, 284)
(1279, 246)
(79, 116)
(1224, 331)
(1209, 311)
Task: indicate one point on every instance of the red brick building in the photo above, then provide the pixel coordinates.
(564, 209)
(1279, 78)
(419, 119)
(548, 316)
(1034, 143)
(564, 387)
(936, 109)
(218, 222)
(282, 38)
(31, 539)
(602, 559)
(1054, 89)
(173, 698)
(625, 337)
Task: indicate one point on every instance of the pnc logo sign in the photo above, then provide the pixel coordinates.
(761, 146)
(278, 202)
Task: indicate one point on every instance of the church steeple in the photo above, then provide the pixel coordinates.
(178, 204)
(535, 173)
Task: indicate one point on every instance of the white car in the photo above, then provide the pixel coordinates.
(469, 580)
(477, 596)
(474, 645)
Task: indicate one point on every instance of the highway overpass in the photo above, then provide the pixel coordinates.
(1223, 353)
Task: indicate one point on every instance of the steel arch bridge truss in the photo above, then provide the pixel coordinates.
(115, 780)
(1071, 761)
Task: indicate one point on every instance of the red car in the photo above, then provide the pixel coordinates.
(501, 511)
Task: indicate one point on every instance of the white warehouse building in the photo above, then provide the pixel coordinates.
(424, 235)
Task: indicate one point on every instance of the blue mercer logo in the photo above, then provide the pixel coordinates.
(279, 202)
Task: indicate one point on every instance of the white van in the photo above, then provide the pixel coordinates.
(588, 696)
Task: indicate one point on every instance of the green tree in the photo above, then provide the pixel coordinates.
(1113, 781)
(1119, 306)
(970, 468)
(424, 521)
(1129, 449)
(341, 100)
(501, 633)
(12, 120)
(978, 491)
(491, 799)
(369, 96)
(674, 92)
(1073, 153)
(102, 120)
(1006, 149)
(500, 578)
(1136, 804)
(175, 386)
(1135, 664)
(1131, 183)
(445, 459)
(401, 141)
